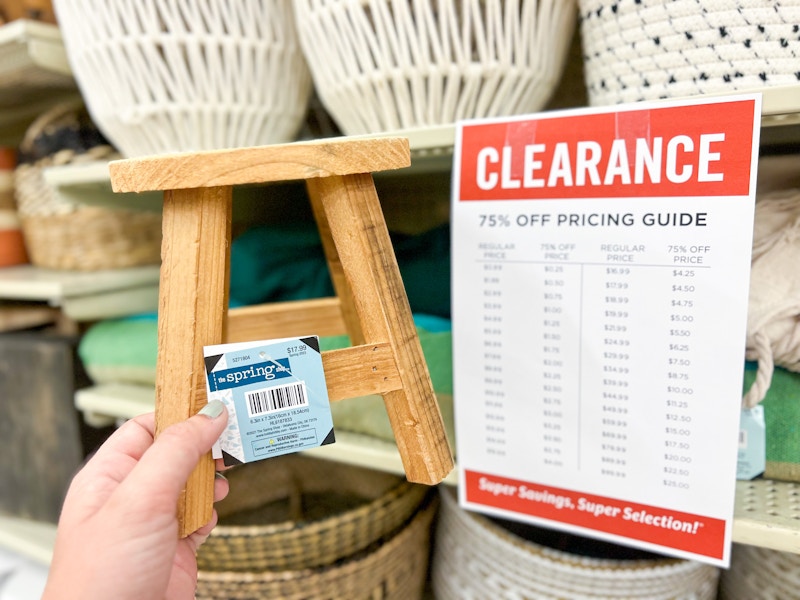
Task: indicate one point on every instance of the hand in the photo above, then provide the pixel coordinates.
(118, 531)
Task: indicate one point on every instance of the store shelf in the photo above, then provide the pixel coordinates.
(767, 512)
(34, 75)
(84, 295)
(106, 403)
(31, 539)
(780, 106)
(431, 152)
(90, 183)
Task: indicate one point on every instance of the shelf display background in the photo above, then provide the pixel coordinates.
(33, 66)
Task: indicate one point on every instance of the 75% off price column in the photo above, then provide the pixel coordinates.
(685, 340)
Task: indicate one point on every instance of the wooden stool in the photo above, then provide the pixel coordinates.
(370, 304)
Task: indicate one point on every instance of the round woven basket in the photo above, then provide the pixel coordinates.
(651, 49)
(294, 512)
(61, 234)
(760, 573)
(385, 65)
(369, 551)
(477, 558)
(163, 76)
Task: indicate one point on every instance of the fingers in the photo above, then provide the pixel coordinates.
(164, 468)
(198, 538)
(221, 487)
(132, 438)
(119, 454)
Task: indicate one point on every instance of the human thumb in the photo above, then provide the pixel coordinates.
(166, 465)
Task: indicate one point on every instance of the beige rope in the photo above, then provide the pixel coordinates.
(773, 329)
(761, 352)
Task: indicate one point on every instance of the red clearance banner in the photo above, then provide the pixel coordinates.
(692, 150)
(669, 528)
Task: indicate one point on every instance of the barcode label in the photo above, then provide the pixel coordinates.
(742, 438)
(267, 400)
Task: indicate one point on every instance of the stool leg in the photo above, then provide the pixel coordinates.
(192, 308)
(378, 297)
(340, 284)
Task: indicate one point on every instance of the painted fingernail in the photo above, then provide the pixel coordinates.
(212, 410)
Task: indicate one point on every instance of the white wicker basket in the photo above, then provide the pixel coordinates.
(385, 65)
(761, 573)
(476, 558)
(651, 49)
(186, 75)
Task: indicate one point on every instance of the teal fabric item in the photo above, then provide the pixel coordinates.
(125, 350)
(432, 323)
(121, 350)
(273, 264)
(437, 348)
(424, 262)
(781, 416)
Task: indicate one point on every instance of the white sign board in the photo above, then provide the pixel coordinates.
(600, 282)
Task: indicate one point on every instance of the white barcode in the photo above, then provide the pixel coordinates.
(261, 402)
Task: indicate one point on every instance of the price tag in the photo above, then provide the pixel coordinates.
(276, 397)
(600, 282)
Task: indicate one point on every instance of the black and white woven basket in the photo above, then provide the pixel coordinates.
(653, 49)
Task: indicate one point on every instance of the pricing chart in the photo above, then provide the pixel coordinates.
(600, 273)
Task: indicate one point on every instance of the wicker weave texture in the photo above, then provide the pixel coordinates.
(61, 234)
(167, 76)
(477, 559)
(394, 569)
(651, 49)
(383, 65)
(385, 503)
(761, 573)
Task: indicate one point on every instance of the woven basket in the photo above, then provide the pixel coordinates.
(761, 573)
(384, 65)
(476, 558)
(394, 567)
(37, 10)
(61, 234)
(651, 49)
(294, 512)
(163, 76)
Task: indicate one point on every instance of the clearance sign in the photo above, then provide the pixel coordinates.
(671, 151)
(600, 284)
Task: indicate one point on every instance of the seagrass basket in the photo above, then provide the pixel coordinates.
(293, 512)
(392, 569)
(475, 557)
(61, 234)
(385, 65)
(652, 49)
(162, 76)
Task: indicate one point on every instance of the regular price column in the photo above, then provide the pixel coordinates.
(616, 302)
(492, 276)
(481, 347)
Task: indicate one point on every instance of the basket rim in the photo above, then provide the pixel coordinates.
(396, 494)
(584, 563)
(376, 552)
